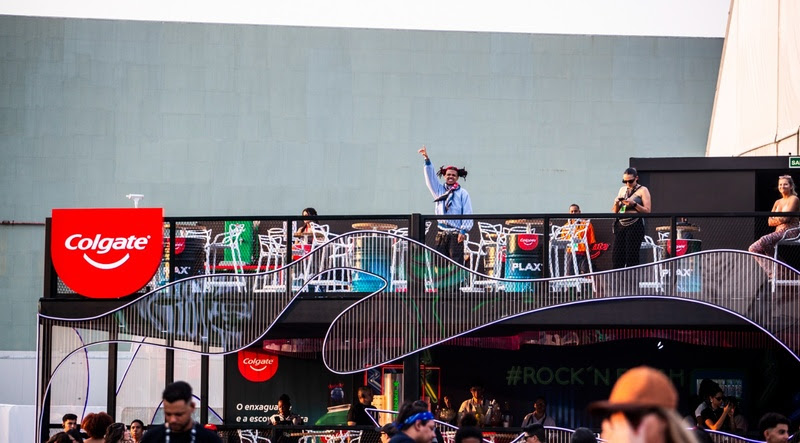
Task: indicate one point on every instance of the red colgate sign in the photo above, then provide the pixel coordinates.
(106, 253)
(256, 365)
(528, 242)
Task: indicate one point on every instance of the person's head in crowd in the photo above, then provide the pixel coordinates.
(365, 395)
(95, 425)
(714, 397)
(69, 421)
(178, 406)
(469, 419)
(707, 387)
(583, 435)
(416, 421)
(539, 407)
(469, 434)
(116, 433)
(386, 432)
(535, 434)
(137, 430)
(477, 392)
(641, 407)
(61, 437)
(774, 428)
(76, 436)
(574, 209)
(284, 405)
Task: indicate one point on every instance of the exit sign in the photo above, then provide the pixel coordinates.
(794, 162)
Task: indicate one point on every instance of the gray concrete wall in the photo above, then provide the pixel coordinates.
(208, 119)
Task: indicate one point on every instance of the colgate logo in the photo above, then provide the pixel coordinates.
(256, 365)
(106, 253)
(104, 246)
(528, 242)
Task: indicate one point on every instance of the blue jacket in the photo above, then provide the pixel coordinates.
(460, 203)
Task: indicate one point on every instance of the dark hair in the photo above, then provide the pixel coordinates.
(468, 432)
(141, 423)
(285, 399)
(707, 387)
(362, 389)
(631, 171)
(310, 211)
(115, 432)
(95, 424)
(576, 205)
(462, 172)
(770, 420)
(537, 430)
(69, 417)
(61, 437)
(712, 391)
(583, 435)
(388, 429)
(76, 434)
(180, 390)
(408, 409)
(469, 419)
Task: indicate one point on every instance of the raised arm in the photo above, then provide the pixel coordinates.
(431, 180)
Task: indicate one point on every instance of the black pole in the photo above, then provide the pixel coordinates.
(111, 388)
(204, 369)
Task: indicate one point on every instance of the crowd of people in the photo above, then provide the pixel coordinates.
(642, 407)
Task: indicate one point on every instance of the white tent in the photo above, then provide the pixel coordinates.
(757, 104)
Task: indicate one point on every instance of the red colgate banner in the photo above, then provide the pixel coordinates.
(106, 253)
(256, 365)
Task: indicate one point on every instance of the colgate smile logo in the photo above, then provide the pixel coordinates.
(106, 253)
(256, 365)
(528, 242)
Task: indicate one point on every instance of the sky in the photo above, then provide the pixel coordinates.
(680, 18)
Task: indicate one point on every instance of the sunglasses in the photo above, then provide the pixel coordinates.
(628, 181)
(635, 416)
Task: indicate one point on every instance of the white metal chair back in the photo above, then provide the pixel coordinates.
(659, 273)
(272, 255)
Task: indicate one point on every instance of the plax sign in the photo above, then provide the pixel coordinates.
(794, 162)
(106, 253)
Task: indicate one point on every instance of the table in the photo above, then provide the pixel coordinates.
(375, 226)
(528, 223)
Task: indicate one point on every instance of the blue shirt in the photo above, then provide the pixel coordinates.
(461, 204)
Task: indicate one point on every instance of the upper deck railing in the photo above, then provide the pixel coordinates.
(224, 282)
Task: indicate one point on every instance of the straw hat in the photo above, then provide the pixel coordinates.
(639, 388)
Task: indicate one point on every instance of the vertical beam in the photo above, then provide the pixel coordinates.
(45, 357)
(111, 389)
(204, 370)
(546, 248)
(411, 385)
